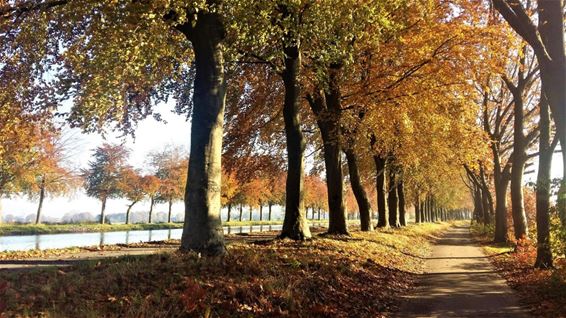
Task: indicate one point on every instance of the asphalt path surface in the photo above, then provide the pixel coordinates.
(459, 281)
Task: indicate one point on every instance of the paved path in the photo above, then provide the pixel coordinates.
(459, 281)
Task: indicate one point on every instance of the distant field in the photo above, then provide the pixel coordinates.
(29, 229)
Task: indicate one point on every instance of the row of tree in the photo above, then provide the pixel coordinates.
(387, 85)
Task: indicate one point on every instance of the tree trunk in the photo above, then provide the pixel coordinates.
(401, 195)
(319, 213)
(295, 225)
(553, 78)
(485, 203)
(128, 211)
(241, 211)
(261, 212)
(202, 231)
(359, 191)
(103, 210)
(169, 208)
(41, 198)
(518, 169)
(151, 203)
(380, 188)
(544, 253)
(392, 199)
(501, 182)
(326, 105)
(269, 214)
(251, 212)
(417, 210)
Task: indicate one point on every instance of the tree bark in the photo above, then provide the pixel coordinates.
(359, 191)
(41, 198)
(392, 199)
(380, 188)
(544, 253)
(295, 225)
(202, 231)
(401, 195)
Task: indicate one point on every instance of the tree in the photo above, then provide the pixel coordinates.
(131, 187)
(547, 41)
(169, 165)
(116, 77)
(102, 177)
(151, 185)
(51, 172)
(229, 190)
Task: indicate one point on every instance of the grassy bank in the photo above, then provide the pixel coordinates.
(29, 229)
(543, 291)
(359, 276)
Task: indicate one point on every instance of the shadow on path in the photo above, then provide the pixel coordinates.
(459, 281)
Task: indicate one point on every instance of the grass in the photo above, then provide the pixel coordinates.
(359, 276)
(543, 291)
(30, 229)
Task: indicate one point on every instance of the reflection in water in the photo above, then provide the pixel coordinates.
(49, 241)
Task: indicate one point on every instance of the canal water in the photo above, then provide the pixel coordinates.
(64, 240)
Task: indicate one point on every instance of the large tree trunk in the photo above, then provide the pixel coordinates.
(380, 188)
(41, 198)
(202, 231)
(241, 212)
(553, 78)
(295, 225)
(392, 199)
(359, 191)
(251, 212)
(335, 184)
(326, 105)
(169, 211)
(401, 195)
(544, 253)
(269, 212)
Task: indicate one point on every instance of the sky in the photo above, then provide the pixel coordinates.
(150, 135)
